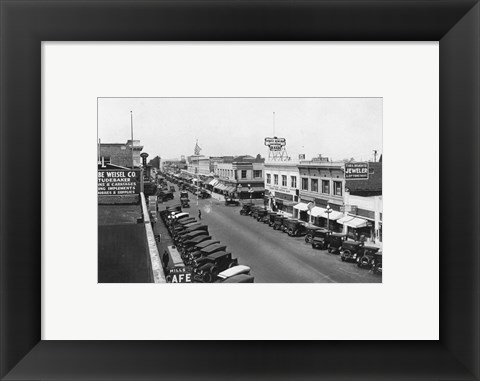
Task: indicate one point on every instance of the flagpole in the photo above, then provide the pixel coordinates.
(131, 129)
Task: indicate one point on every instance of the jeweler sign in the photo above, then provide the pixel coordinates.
(356, 171)
(118, 182)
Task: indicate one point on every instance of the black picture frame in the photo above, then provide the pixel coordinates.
(24, 24)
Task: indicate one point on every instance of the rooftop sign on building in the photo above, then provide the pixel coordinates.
(118, 182)
(356, 171)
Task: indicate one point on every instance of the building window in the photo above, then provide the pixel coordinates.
(269, 178)
(293, 181)
(275, 179)
(314, 185)
(257, 174)
(106, 159)
(337, 188)
(284, 180)
(326, 186)
(244, 173)
(304, 183)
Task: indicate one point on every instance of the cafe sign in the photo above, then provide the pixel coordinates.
(356, 171)
(181, 275)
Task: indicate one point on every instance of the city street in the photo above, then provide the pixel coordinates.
(273, 256)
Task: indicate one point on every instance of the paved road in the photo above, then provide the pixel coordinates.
(273, 256)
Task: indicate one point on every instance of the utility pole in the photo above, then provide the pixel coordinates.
(374, 155)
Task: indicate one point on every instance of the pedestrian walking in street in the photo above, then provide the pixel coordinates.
(199, 214)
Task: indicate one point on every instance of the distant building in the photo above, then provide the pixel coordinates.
(120, 153)
(282, 186)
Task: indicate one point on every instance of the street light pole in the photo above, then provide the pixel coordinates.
(328, 211)
(250, 190)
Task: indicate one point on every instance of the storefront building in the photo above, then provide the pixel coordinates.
(281, 186)
(321, 193)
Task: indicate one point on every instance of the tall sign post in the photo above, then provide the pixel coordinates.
(310, 206)
(328, 211)
(276, 149)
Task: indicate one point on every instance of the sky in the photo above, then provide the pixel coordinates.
(337, 128)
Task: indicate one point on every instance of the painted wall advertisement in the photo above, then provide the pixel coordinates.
(356, 171)
(118, 182)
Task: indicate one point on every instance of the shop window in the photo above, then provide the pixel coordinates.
(337, 188)
(275, 179)
(304, 183)
(269, 178)
(244, 173)
(314, 185)
(293, 181)
(326, 186)
(284, 181)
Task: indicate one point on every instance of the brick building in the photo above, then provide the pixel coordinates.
(120, 153)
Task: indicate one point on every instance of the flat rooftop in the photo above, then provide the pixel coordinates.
(118, 214)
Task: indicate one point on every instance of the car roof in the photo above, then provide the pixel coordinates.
(192, 228)
(207, 243)
(240, 278)
(235, 270)
(338, 235)
(371, 247)
(199, 238)
(219, 254)
(212, 248)
(354, 243)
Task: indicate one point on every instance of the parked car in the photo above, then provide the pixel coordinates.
(310, 232)
(246, 209)
(233, 271)
(202, 245)
(294, 227)
(256, 210)
(204, 194)
(321, 239)
(172, 188)
(377, 263)
(366, 255)
(187, 244)
(350, 250)
(231, 201)
(208, 267)
(335, 242)
(181, 235)
(261, 214)
(271, 218)
(278, 222)
(240, 278)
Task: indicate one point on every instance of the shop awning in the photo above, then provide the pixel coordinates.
(230, 189)
(353, 222)
(220, 186)
(213, 182)
(321, 212)
(254, 189)
(301, 206)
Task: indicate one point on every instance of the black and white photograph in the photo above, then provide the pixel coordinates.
(240, 190)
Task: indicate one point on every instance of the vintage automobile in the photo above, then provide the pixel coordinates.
(350, 250)
(181, 235)
(204, 194)
(321, 239)
(233, 271)
(201, 245)
(246, 209)
(284, 227)
(187, 244)
(163, 195)
(185, 203)
(256, 210)
(192, 235)
(240, 278)
(293, 227)
(207, 268)
(278, 222)
(231, 201)
(179, 228)
(172, 188)
(310, 232)
(207, 250)
(261, 214)
(271, 218)
(377, 263)
(365, 256)
(335, 242)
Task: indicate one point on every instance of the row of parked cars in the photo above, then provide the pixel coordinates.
(368, 257)
(208, 258)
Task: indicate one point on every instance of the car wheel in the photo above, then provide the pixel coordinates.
(329, 249)
(347, 254)
(343, 258)
(307, 238)
(207, 277)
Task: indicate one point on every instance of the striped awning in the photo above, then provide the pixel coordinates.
(213, 182)
(353, 222)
